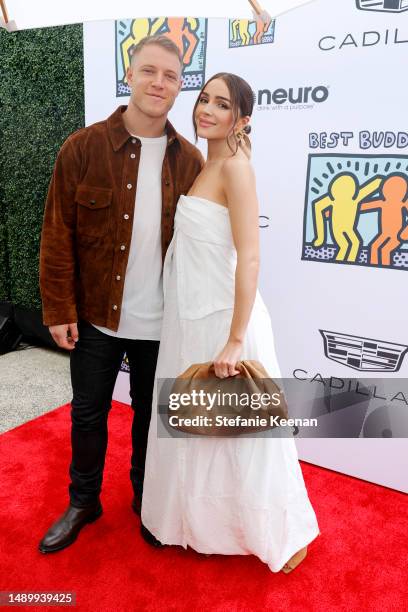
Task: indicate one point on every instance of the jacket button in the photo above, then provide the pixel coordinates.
(114, 307)
(122, 247)
(118, 277)
(133, 140)
(129, 185)
(92, 202)
(132, 155)
(126, 216)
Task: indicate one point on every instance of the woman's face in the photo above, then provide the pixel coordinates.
(214, 114)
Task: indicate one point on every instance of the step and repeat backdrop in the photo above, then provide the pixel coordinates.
(330, 151)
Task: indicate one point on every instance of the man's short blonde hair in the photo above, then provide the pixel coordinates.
(161, 41)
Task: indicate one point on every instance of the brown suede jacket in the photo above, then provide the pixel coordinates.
(89, 214)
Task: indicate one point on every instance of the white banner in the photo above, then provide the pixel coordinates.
(330, 151)
(21, 15)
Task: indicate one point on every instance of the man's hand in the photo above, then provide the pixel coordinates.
(65, 335)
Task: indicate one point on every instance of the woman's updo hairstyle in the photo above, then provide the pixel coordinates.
(242, 103)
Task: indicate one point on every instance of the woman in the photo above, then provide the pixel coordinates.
(222, 495)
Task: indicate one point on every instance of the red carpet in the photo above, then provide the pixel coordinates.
(358, 563)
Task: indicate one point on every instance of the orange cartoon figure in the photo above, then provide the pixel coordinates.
(341, 206)
(392, 207)
(261, 28)
(182, 31)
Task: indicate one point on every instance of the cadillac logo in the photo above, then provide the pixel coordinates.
(363, 354)
(389, 6)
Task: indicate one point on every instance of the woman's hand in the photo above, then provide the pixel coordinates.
(224, 364)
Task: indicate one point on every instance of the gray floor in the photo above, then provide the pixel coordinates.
(32, 381)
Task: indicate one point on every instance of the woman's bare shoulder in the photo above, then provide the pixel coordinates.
(237, 169)
(236, 162)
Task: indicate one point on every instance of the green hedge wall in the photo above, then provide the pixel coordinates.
(42, 102)
(4, 267)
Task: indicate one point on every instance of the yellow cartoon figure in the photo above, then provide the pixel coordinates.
(241, 26)
(139, 29)
(341, 204)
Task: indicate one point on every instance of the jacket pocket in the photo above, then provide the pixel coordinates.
(93, 211)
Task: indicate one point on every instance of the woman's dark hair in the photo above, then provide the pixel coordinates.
(242, 100)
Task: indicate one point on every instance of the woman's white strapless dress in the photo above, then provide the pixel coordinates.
(230, 496)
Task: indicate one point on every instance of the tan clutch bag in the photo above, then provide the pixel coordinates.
(201, 403)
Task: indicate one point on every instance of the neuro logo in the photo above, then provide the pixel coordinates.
(189, 34)
(388, 6)
(363, 354)
(291, 98)
(356, 210)
(245, 32)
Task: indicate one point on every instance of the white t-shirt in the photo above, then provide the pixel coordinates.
(142, 306)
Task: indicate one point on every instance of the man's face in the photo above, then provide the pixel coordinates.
(155, 80)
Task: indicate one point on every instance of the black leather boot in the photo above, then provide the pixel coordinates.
(66, 529)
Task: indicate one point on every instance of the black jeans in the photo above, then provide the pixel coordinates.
(95, 364)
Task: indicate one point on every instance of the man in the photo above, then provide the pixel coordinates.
(107, 225)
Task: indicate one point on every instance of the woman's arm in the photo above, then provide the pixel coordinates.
(240, 191)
